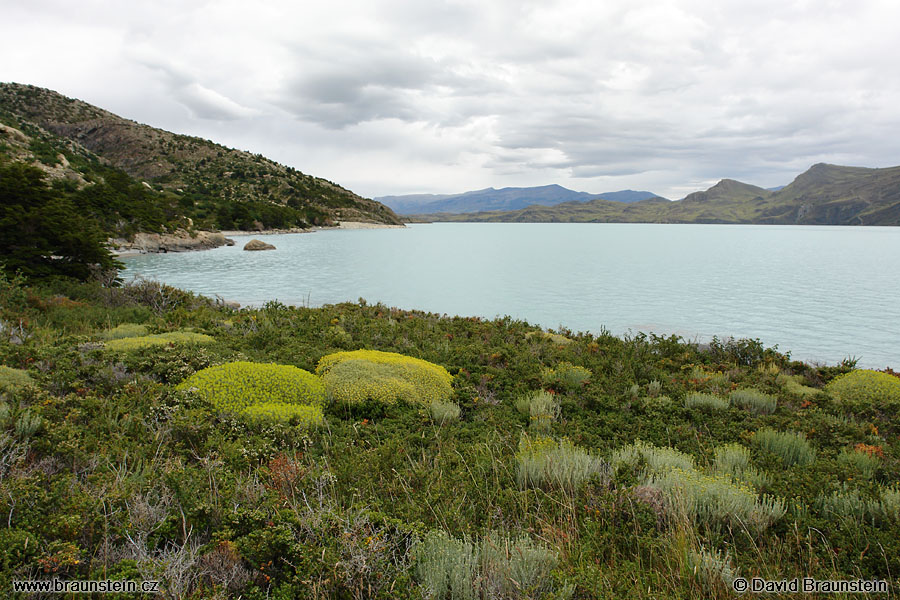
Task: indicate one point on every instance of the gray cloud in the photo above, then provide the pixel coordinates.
(395, 96)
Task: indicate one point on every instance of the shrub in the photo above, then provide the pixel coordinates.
(863, 388)
(384, 377)
(177, 338)
(888, 507)
(303, 415)
(556, 338)
(125, 330)
(14, 380)
(543, 460)
(845, 503)
(793, 384)
(258, 389)
(493, 567)
(862, 463)
(444, 412)
(654, 388)
(713, 570)
(565, 377)
(716, 500)
(652, 459)
(541, 408)
(753, 400)
(705, 402)
(791, 446)
(734, 460)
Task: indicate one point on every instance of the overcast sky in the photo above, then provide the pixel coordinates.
(393, 97)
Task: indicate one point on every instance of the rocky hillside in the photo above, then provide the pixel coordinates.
(823, 195)
(217, 187)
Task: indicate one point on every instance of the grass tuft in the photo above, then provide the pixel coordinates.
(791, 446)
(543, 461)
(753, 400)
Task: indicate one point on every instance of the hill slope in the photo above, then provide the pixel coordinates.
(215, 185)
(510, 198)
(823, 195)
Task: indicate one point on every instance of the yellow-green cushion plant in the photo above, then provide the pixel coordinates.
(13, 380)
(260, 391)
(300, 414)
(125, 330)
(359, 376)
(178, 338)
(865, 389)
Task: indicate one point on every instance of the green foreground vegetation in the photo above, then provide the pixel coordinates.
(281, 452)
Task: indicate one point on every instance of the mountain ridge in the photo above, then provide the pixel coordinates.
(823, 195)
(507, 198)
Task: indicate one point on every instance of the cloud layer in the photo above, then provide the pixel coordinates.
(391, 97)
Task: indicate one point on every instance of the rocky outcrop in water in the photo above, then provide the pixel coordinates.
(258, 245)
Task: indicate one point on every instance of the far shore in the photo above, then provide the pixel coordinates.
(341, 225)
(125, 252)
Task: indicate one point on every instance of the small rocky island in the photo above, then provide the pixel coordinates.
(255, 244)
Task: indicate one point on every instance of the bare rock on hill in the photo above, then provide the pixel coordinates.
(255, 244)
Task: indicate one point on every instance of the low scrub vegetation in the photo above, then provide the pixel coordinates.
(864, 389)
(753, 400)
(354, 378)
(544, 461)
(225, 469)
(792, 447)
(261, 391)
(705, 402)
(131, 343)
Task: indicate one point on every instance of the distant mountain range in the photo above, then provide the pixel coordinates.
(176, 177)
(509, 198)
(823, 195)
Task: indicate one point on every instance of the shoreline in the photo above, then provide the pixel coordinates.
(122, 249)
(340, 225)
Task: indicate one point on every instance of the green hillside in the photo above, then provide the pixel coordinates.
(79, 145)
(823, 195)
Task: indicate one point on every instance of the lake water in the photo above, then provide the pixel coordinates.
(822, 293)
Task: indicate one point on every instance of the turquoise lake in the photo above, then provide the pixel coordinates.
(820, 293)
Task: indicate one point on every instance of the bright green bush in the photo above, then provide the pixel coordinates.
(792, 447)
(542, 460)
(863, 388)
(125, 330)
(355, 377)
(717, 500)
(793, 384)
(14, 380)
(298, 414)
(705, 401)
(260, 390)
(444, 412)
(493, 567)
(565, 377)
(650, 458)
(177, 338)
(753, 400)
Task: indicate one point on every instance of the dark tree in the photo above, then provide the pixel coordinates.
(42, 232)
